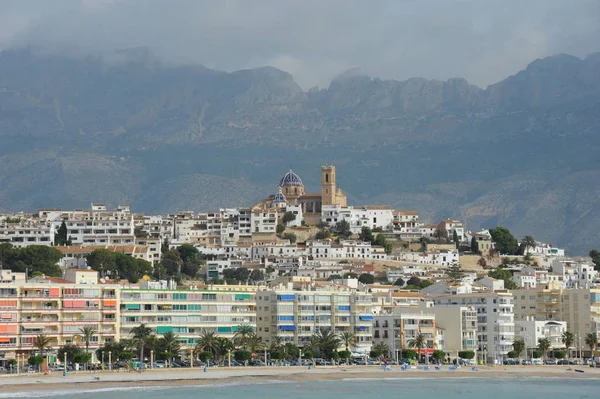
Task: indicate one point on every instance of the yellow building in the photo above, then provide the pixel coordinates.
(58, 309)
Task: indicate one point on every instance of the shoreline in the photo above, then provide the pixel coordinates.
(225, 376)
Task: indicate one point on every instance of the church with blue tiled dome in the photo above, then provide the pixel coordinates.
(291, 184)
(290, 193)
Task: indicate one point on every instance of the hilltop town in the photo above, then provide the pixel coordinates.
(285, 270)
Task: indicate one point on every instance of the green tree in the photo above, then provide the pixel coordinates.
(455, 273)
(60, 238)
(536, 354)
(474, 246)
(70, 351)
(42, 344)
(348, 339)
(366, 278)
(415, 281)
(241, 334)
(512, 355)
(409, 354)
(518, 346)
(191, 258)
(591, 340)
(568, 339)
(327, 341)
(168, 345)
(527, 242)
(342, 229)
(418, 342)
(366, 235)
(595, 255)
(544, 345)
(505, 275)
(350, 275)
(559, 354)
(103, 261)
(35, 361)
(208, 342)
(33, 258)
(82, 358)
(399, 282)
(466, 355)
(205, 356)
(455, 238)
(87, 333)
(254, 342)
(290, 236)
(288, 217)
(142, 334)
(172, 262)
(257, 275)
(280, 228)
(438, 355)
(242, 356)
(323, 234)
(505, 242)
(382, 349)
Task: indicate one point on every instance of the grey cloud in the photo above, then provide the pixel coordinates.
(481, 40)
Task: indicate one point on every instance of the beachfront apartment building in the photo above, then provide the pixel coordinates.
(579, 308)
(399, 325)
(295, 316)
(26, 232)
(495, 321)
(58, 309)
(460, 328)
(531, 331)
(187, 313)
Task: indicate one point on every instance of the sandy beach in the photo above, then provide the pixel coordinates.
(197, 376)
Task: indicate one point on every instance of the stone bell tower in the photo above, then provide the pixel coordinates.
(328, 189)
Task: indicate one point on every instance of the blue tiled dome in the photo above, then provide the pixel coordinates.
(290, 179)
(279, 197)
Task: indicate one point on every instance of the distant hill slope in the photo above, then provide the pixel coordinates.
(523, 152)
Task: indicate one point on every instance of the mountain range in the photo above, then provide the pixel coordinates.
(128, 128)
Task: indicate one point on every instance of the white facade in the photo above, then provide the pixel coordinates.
(215, 268)
(495, 321)
(296, 210)
(27, 233)
(358, 217)
(264, 221)
(575, 274)
(532, 330)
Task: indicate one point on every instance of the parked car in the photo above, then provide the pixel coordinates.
(160, 364)
(551, 362)
(563, 362)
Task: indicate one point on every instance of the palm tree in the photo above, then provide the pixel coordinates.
(568, 339)
(141, 334)
(544, 345)
(87, 332)
(169, 345)
(223, 347)
(254, 343)
(519, 346)
(42, 343)
(242, 333)
(208, 342)
(528, 242)
(382, 348)
(327, 341)
(591, 340)
(278, 343)
(348, 339)
(418, 342)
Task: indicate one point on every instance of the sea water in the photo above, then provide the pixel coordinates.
(413, 388)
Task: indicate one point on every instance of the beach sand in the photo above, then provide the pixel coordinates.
(197, 376)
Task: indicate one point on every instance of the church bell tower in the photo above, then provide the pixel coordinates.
(328, 190)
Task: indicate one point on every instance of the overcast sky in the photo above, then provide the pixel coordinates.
(481, 40)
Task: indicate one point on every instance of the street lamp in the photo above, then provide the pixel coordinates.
(300, 359)
(152, 359)
(191, 358)
(229, 357)
(109, 360)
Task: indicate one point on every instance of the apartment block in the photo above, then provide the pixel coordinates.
(58, 309)
(460, 328)
(495, 321)
(401, 324)
(188, 312)
(295, 316)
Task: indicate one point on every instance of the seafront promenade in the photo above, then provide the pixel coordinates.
(234, 375)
